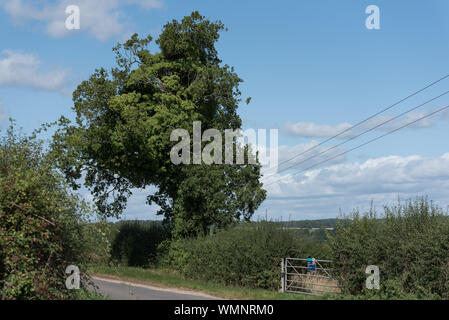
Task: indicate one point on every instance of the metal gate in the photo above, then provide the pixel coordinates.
(307, 276)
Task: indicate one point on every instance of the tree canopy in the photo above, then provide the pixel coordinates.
(124, 118)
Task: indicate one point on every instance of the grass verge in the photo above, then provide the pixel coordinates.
(85, 294)
(168, 278)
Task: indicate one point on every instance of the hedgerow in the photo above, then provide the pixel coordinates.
(41, 223)
(136, 243)
(408, 242)
(245, 255)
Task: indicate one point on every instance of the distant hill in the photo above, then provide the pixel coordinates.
(309, 224)
(312, 229)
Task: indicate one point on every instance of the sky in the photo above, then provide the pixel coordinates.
(312, 69)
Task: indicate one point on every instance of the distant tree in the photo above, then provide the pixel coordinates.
(124, 118)
(136, 242)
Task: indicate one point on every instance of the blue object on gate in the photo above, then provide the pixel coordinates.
(311, 264)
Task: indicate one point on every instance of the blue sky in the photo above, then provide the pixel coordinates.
(311, 67)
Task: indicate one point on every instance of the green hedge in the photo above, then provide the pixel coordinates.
(409, 243)
(40, 223)
(136, 242)
(246, 255)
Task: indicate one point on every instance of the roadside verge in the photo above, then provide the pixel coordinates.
(169, 280)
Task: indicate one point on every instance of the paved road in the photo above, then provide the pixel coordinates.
(120, 290)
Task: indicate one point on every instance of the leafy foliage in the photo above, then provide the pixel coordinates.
(97, 239)
(136, 243)
(121, 139)
(410, 245)
(40, 223)
(245, 255)
(215, 196)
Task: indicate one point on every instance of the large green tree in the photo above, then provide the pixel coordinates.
(124, 118)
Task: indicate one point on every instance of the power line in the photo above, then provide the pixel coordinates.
(365, 120)
(364, 144)
(361, 134)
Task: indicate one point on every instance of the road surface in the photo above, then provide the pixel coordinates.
(123, 290)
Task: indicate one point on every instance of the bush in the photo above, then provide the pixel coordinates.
(409, 243)
(40, 223)
(246, 255)
(98, 237)
(136, 243)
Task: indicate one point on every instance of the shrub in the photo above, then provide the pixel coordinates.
(40, 223)
(246, 255)
(136, 242)
(98, 237)
(409, 243)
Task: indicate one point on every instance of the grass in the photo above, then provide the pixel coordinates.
(84, 294)
(168, 278)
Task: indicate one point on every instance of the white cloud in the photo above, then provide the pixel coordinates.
(288, 157)
(102, 19)
(408, 118)
(137, 207)
(24, 69)
(147, 4)
(320, 193)
(313, 130)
